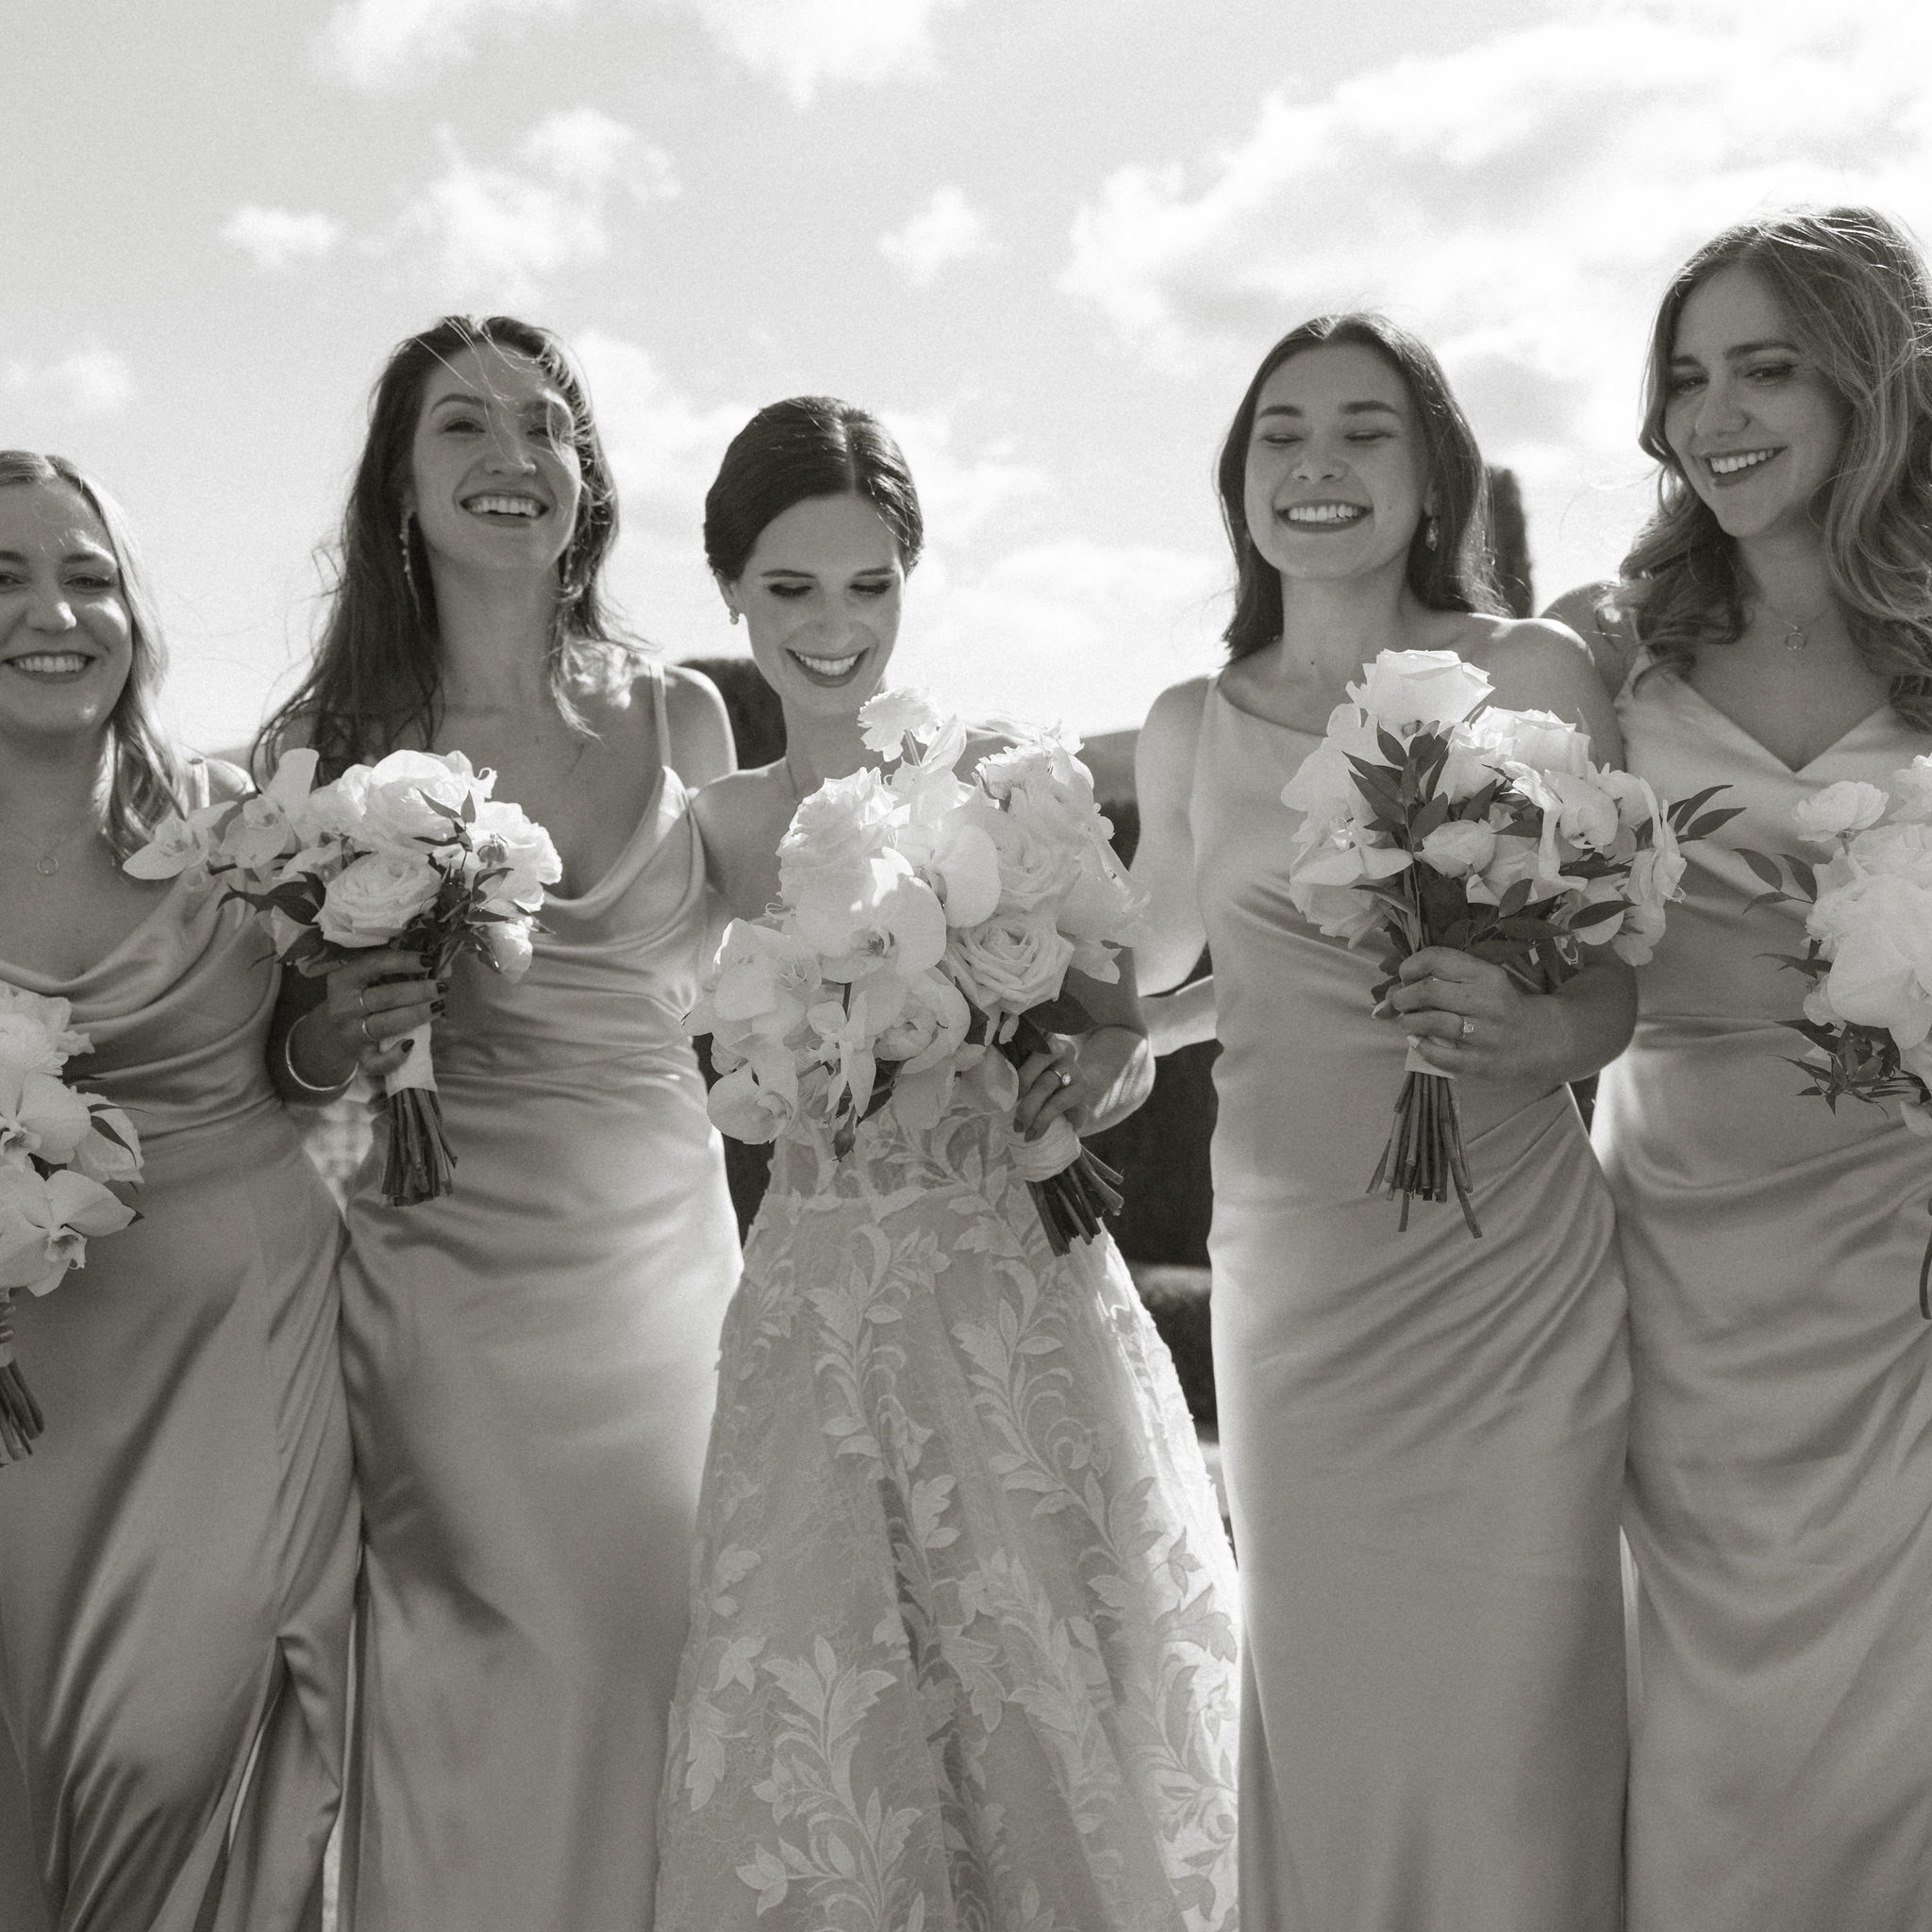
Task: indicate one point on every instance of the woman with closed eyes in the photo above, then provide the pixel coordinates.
(529, 1359)
(1772, 633)
(1423, 1433)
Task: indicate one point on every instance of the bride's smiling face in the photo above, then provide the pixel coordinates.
(820, 594)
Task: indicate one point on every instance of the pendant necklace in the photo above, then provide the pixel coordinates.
(48, 863)
(1797, 636)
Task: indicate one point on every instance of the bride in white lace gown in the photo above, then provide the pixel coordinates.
(962, 1651)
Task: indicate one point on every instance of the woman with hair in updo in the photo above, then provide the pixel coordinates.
(1772, 634)
(1423, 1434)
(961, 1654)
(529, 1357)
(178, 1555)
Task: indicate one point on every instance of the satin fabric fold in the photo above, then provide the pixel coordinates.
(531, 1365)
(177, 1558)
(1422, 1436)
(1780, 1497)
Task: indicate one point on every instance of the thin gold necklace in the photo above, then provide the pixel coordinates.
(1797, 636)
(48, 863)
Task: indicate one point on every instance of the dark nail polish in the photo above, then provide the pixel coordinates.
(436, 1008)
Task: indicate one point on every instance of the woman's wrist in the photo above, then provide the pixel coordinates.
(300, 1060)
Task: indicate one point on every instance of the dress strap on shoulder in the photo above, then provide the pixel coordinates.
(660, 710)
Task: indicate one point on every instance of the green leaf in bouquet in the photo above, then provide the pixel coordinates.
(1391, 747)
(1711, 822)
(1587, 916)
(310, 952)
(1804, 875)
(1765, 868)
(1433, 813)
(1686, 809)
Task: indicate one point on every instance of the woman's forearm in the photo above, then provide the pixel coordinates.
(1182, 1018)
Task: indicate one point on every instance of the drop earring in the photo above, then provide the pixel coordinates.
(409, 565)
(736, 615)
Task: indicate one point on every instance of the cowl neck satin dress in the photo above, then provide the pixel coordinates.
(177, 1558)
(1423, 1437)
(531, 1365)
(1780, 1501)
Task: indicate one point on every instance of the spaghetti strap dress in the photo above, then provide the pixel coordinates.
(177, 1557)
(531, 1365)
(1780, 1499)
(1423, 1437)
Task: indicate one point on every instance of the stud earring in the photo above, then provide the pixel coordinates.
(1429, 539)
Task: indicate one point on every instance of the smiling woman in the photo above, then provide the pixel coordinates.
(178, 1555)
(529, 1358)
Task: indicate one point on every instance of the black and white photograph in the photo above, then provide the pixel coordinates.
(966, 966)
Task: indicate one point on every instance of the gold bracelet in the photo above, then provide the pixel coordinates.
(331, 1091)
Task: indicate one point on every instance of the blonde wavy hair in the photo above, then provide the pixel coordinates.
(1854, 288)
(148, 779)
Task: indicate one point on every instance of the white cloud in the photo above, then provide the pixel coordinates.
(497, 233)
(947, 229)
(278, 240)
(961, 494)
(1521, 200)
(85, 382)
(391, 43)
(799, 43)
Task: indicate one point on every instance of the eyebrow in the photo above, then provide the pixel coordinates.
(1347, 409)
(549, 400)
(72, 556)
(1745, 349)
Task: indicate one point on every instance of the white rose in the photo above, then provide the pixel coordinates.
(1014, 963)
(827, 871)
(1458, 846)
(1847, 807)
(1405, 689)
(1901, 851)
(403, 791)
(369, 903)
(1586, 813)
(1635, 939)
(1880, 934)
(509, 945)
(505, 836)
(888, 718)
(1912, 789)
(1539, 740)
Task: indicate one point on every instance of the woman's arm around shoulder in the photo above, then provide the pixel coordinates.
(1539, 666)
(701, 746)
(740, 818)
(1173, 934)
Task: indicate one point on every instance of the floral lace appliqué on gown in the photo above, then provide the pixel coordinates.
(962, 1651)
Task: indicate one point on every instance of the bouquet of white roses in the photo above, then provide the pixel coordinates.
(1430, 821)
(926, 927)
(412, 853)
(1868, 950)
(58, 1151)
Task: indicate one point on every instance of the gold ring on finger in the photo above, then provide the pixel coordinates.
(363, 1029)
(1066, 1078)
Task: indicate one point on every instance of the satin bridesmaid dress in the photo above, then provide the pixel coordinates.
(1422, 1436)
(1780, 1501)
(177, 1558)
(532, 1364)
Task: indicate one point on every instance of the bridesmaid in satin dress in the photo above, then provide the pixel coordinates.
(531, 1359)
(1423, 1434)
(1774, 634)
(177, 1557)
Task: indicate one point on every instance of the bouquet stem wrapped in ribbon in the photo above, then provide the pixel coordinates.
(1430, 818)
(1868, 948)
(926, 927)
(60, 1150)
(412, 853)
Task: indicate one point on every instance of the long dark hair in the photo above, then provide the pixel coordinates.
(149, 782)
(802, 447)
(1455, 574)
(1853, 287)
(377, 672)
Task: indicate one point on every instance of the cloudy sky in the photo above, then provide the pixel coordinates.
(1047, 240)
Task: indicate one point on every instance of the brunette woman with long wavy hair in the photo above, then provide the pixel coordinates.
(530, 1358)
(1772, 633)
(177, 1554)
(1423, 1434)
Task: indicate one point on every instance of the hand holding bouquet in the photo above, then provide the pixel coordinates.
(58, 1150)
(412, 853)
(1868, 952)
(926, 927)
(1430, 821)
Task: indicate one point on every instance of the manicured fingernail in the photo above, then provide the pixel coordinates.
(436, 1008)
